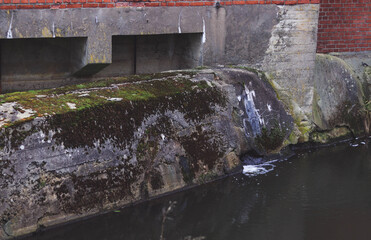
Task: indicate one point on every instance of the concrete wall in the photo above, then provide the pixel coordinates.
(153, 53)
(280, 39)
(38, 63)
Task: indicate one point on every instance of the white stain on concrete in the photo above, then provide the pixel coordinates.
(9, 32)
(179, 20)
(71, 105)
(12, 112)
(269, 107)
(253, 117)
(53, 30)
(114, 99)
(203, 31)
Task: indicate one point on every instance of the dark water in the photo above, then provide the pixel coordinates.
(325, 194)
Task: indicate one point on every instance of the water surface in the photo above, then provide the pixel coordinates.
(325, 194)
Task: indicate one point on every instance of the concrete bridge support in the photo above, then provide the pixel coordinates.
(102, 42)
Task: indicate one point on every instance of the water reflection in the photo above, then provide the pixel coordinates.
(320, 195)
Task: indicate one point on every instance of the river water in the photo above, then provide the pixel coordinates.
(323, 194)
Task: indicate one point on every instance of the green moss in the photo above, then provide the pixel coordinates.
(292, 139)
(349, 114)
(203, 149)
(156, 180)
(207, 177)
(132, 88)
(271, 139)
(259, 73)
(202, 67)
(336, 134)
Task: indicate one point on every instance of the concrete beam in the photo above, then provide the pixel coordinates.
(270, 37)
(98, 26)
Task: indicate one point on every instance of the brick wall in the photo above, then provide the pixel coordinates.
(344, 26)
(60, 4)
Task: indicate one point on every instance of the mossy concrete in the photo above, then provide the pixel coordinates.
(339, 95)
(89, 148)
(123, 140)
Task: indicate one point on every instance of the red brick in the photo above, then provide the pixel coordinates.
(291, 2)
(197, 3)
(74, 6)
(151, 4)
(137, 4)
(8, 7)
(122, 4)
(252, 2)
(90, 5)
(42, 6)
(181, 4)
(25, 6)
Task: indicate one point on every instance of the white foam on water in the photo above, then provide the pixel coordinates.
(255, 170)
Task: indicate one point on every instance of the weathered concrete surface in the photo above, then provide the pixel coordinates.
(263, 118)
(281, 40)
(107, 144)
(81, 162)
(39, 63)
(338, 99)
(98, 26)
(360, 62)
(290, 57)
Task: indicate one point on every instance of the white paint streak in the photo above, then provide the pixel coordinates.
(179, 19)
(203, 31)
(269, 107)
(9, 33)
(53, 30)
(250, 95)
